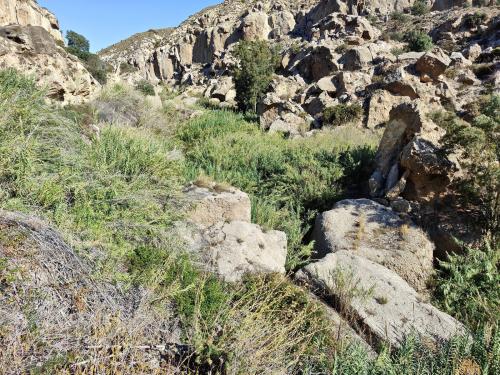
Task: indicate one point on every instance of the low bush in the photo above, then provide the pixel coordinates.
(342, 114)
(145, 87)
(288, 180)
(474, 20)
(420, 7)
(467, 286)
(400, 17)
(418, 41)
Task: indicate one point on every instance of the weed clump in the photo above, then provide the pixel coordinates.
(342, 114)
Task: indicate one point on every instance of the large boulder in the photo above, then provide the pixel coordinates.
(380, 105)
(356, 58)
(410, 146)
(255, 26)
(238, 247)
(433, 63)
(316, 62)
(279, 114)
(212, 203)
(383, 305)
(218, 233)
(32, 50)
(340, 26)
(377, 233)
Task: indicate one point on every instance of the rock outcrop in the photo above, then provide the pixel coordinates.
(408, 163)
(29, 13)
(32, 50)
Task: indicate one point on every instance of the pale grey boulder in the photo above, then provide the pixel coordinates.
(377, 233)
(386, 308)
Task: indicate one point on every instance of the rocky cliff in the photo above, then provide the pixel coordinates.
(28, 12)
(31, 42)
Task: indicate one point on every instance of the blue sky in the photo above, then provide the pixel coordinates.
(105, 22)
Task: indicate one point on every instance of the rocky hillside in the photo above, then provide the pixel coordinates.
(30, 40)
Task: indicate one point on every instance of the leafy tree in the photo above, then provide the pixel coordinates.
(79, 46)
(418, 41)
(257, 64)
(77, 41)
(479, 145)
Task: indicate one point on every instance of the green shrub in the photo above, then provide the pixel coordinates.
(420, 7)
(418, 41)
(342, 114)
(145, 87)
(79, 46)
(125, 67)
(288, 180)
(467, 286)
(257, 63)
(474, 20)
(400, 17)
(77, 41)
(478, 143)
(115, 192)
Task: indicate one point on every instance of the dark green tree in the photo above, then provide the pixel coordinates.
(77, 41)
(257, 63)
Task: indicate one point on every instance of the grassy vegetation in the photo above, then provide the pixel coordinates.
(115, 191)
(289, 180)
(342, 114)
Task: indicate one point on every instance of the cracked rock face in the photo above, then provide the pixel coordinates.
(28, 12)
(32, 50)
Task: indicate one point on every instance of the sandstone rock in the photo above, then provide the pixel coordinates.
(214, 204)
(29, 13)
(375, 232)
(398, 82)
(315, 105)
(412, 140)
(433, 63)
(286, 87)
(343, 26)
(379, 106)
(389, 310)
(273, 108)
(316, 63)
(356, 58)
(223, 89)
(326, 84)
(255, 26)
(429, 172)
(473, 52)
(352, 83)
(239, 247)
(32, 50)
(282, 23)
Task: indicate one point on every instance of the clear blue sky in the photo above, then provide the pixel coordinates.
(105, 22)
